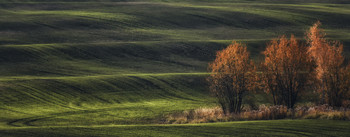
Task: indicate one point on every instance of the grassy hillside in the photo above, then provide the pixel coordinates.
(96, 100)
(65, 63)
(122, 37)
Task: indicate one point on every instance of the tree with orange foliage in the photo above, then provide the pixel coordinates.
(232, 75)
(286, 70)
(332, 74)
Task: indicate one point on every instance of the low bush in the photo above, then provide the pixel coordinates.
(205, 115)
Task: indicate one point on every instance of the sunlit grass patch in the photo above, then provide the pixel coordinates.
(77, 13)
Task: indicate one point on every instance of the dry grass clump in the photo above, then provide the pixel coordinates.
(201, 115)
(205, 115)
(266, 113)
(327, 112)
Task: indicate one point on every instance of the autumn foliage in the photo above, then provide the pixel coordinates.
(286, 70)
(233, 74)
(331, 70)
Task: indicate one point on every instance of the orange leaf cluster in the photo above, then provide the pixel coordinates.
(233, 74)
(332, 74)
(286, 70)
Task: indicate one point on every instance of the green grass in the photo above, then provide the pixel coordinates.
(120, 37)
(100, 67)
(100, 100)
(244, 128)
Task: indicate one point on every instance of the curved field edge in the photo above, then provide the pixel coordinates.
(241, 128)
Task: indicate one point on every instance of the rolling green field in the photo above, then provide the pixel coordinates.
(118, 67)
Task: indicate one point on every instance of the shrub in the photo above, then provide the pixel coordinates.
(205, 115)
